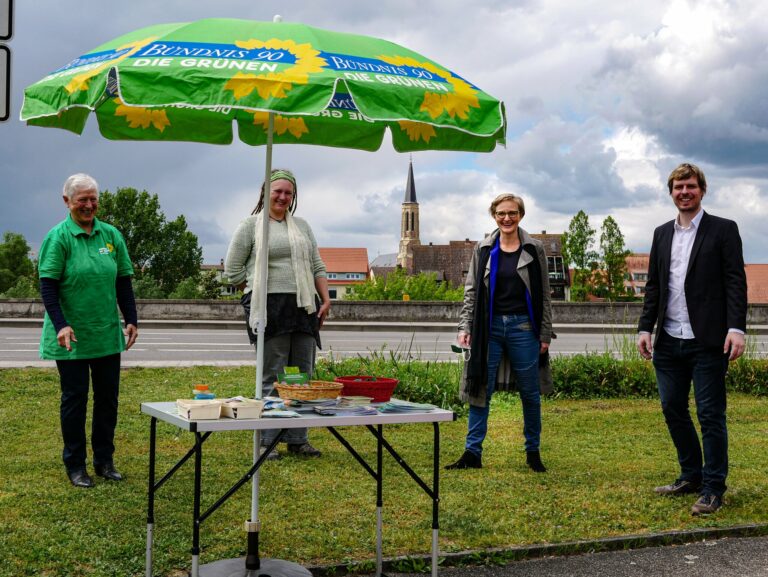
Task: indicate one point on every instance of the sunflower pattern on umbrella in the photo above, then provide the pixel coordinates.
(194, 81)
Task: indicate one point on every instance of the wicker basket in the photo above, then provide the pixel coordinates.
(315, 390)
(380, 388)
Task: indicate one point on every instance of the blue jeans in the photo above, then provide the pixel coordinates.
(511, 335)
(677, 362)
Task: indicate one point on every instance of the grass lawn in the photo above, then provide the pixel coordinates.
(604, 458)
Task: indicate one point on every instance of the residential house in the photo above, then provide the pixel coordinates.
(346, 267)
(757, 283)
(382, 265)
(637, 273)
(226, 288)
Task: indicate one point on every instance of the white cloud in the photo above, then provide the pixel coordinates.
(637, 158)
(603, 99)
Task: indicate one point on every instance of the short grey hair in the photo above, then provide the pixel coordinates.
(78, 183)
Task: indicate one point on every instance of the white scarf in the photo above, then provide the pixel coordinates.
(301, 262)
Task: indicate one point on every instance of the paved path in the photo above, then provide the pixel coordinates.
(728, 557)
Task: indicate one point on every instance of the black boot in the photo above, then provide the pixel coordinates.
(533, 458)
(467, 461)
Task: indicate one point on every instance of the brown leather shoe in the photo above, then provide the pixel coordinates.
(679, 487)
(706, 505)
(303, 450)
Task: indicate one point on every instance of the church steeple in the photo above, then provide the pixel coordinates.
(409, 223)
(410, 188)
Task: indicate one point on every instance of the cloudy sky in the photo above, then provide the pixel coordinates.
(603, 99)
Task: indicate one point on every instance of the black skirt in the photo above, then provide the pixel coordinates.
(283, 316)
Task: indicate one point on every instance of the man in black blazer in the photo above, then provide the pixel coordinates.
(696, 295)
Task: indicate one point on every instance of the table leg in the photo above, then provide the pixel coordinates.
(379, 502)
(196, 506)
(151, 498)
(435, 495)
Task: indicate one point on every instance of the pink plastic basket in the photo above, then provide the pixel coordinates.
(380, 388)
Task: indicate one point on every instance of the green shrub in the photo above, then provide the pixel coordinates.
(584, 376)
(748, 375)
(420, 381)
(600, 375)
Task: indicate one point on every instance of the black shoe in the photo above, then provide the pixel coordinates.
(109, 472)
(80, 478)
(706, 504)
(533, 459)
(679, 487)
(303, 450)
(273, 454)
(467, 461)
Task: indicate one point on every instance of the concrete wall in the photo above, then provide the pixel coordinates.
(564, 313)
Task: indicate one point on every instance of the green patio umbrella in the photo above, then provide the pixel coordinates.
(194, 81)
(279, 82)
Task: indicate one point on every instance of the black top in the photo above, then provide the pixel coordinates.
(49, 291)
(509, 296)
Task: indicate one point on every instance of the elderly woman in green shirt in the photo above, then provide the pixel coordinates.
(296, 277)
(85, 274)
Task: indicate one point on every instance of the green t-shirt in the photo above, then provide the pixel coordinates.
(87, 267)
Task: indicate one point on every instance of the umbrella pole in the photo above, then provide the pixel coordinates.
(253, 525)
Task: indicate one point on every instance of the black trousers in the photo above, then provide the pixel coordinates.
(76, 377)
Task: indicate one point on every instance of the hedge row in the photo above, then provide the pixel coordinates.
(584, 376)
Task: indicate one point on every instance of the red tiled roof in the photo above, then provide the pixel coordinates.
(345, 259)
(757, 277)
(757, 283)
(638, 262)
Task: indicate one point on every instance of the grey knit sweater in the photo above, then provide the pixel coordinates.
(238, 266)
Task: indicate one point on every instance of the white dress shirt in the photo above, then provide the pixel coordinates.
(677, 323)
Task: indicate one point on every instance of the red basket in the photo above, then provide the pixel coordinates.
(380, 388)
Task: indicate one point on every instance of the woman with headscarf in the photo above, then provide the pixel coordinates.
(296, 277)
(506, 326)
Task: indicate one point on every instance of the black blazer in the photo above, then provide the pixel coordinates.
(715, 284)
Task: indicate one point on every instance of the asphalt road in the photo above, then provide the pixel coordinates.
(197, 346)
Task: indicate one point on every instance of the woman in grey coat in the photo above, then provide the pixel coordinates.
(506, 323)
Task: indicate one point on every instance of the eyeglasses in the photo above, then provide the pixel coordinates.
(507, 213)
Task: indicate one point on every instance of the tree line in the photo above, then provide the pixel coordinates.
(167, 259)
(598, 273)
(166, 256)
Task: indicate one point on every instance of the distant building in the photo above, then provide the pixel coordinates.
(757, 283)
(559, 278)
(637, 276)
(451, 261)
(345, 267)
(409, 223)
(637, 273)
(226, 288)
(448, 261)
(382, 265)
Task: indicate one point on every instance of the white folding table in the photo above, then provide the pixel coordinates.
(202, 429)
